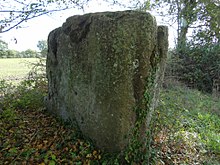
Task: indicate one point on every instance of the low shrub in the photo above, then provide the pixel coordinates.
(29, 93)
(198, 67)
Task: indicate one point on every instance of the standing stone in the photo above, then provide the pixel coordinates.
(99, 67)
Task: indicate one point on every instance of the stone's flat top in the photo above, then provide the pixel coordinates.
(111, 13)
(107, 15)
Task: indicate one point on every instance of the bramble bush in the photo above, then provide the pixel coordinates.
(197, 67)
(29, 93)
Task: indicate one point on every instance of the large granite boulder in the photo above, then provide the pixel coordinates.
(104, 71)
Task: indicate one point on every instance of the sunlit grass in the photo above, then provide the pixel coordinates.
(12, 69)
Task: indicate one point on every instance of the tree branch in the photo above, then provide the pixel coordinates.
(28, 18)
(15, 11)
(21, 11)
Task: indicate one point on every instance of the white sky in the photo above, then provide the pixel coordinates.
(39, 28)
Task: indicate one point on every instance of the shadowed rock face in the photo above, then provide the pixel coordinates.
(98, 67)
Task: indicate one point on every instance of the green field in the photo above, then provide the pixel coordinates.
(14, 69)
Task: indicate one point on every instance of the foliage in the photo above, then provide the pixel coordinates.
(209, 22)
(27, 95)
(199, 66)
(181, 13)
(7, 53)
(5, 88)
(3, 45)
(42, 46)
(38, 70)
(201, 16)
(16, 54)
(196, 60)
(29, 53)
(30, 93)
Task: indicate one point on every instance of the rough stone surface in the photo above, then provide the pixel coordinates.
(98, 66)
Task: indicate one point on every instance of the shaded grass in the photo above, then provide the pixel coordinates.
(187, 127)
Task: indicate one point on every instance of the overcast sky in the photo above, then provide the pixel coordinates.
(39, 28)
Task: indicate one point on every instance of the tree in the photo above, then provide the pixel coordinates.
(29, 53)
(15, 12)
(197, 56)
(11, 54)
(201, 15)
(183, 13)
(3, 45)
(3, 48)
(42, 46)
(207, 29)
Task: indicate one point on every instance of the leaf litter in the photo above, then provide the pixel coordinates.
(35, 137)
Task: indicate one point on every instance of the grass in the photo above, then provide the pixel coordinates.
(187, 127)
(15, 68)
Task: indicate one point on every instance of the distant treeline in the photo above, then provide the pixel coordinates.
(23, 54)
(5, 52)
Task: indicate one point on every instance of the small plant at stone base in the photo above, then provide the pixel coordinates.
(29, 96)
(38, 71)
